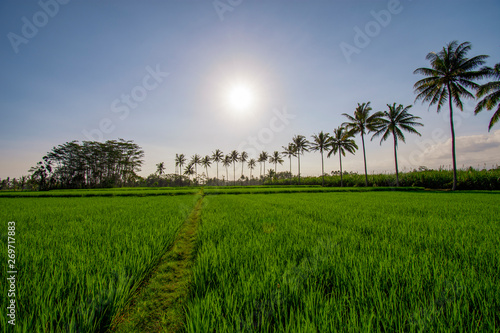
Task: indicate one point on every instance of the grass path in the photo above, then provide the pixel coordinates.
(158, 305)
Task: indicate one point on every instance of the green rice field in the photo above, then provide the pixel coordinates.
(305, 261)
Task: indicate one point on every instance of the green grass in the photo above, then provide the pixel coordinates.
(108, 192)
(350, 262)
(79, 259)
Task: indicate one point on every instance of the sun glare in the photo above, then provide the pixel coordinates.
(240, 97)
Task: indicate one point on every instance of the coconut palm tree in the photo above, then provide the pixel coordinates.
(235, 157)
(340, 142)
(217, 157)
(160, 168)
(243, 159)
(276, 158)
(189, 170)
(362, 123)
(394, 122)
(289, 151)
(196, 160)
(320, 142)
(251, 165)
(491, 93)
(301, 146)
(227, 162)
(206, 162)
(180, 159)
(450, 75)
(262, 159)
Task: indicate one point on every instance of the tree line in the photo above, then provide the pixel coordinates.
(88, 164)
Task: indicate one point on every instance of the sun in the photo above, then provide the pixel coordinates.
(240, 97)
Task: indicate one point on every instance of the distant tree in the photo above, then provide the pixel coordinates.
(450, 75)
(276, 158)
(340, 142)
(190, 170)
(235, 157)
(227, 162)
(301, 145)
(195, 161)
(320, 143)
(491, 93)
(206, 162)
(243, 159)
(362, 123)
(180, 159)
(251, 165)
(289, 151)
(263, 159)
(394, 122)
(217, 156)
(160, 168)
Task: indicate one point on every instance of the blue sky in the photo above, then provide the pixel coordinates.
(71, 76)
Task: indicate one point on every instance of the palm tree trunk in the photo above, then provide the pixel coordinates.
(341, 182)
(227, 175)
(264, 170)
(396, 158)
(206, 169)
(234, 173)
(452, 142)
(290, 158)
(322, 170)
(217, 173)
(364, 157)
(298, 156)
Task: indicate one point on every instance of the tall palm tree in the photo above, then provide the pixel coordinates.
(251, 165)
(189, 170)
(206, 162)
(301, 146)
(227, 162)
(394, 122)
(217, 157)
(491, 93)
(243, 159)
(160, 168)
(262, 159)
(235, 157)
(340, 142)
(450, 75)
(180, 159)
(196, 160)
(362, 123)
(289, 151)
(320, 142)
(276, 158)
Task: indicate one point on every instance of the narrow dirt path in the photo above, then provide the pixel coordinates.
(158, 305)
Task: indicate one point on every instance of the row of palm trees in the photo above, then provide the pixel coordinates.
(392, 122)
(448, 79)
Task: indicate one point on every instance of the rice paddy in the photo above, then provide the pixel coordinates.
(339, 261)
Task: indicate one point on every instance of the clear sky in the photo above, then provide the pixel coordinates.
(161, 73)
